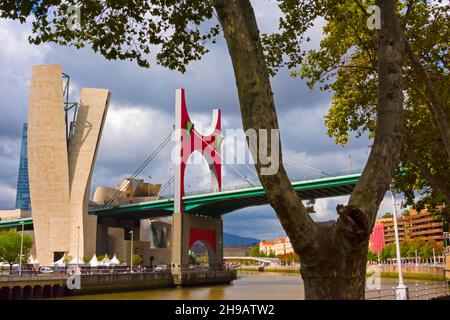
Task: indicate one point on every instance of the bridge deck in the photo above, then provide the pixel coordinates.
(219, 203)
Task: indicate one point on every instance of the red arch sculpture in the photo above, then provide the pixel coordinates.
(206, 235)
(188, 140)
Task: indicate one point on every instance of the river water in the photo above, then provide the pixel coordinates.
(248, 286)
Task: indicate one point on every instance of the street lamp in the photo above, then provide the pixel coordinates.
(402, 289)
(78, 246)
(131, 254)
(21, 251)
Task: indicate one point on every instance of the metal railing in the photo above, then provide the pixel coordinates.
(437, 261)
(417, 291)
(257, 184)
(381, 294)
(427, 291)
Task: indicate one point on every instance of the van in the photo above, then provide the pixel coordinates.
(45, 270)
(161, 267)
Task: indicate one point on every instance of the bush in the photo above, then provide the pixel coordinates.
(137, 259)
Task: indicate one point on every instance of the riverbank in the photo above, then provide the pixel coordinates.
(53, 286)
(423, 274)
(280, 269)
(255, 286)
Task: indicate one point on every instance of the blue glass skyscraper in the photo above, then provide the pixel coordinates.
(23, 187)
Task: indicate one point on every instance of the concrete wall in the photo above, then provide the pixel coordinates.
(48, 162)
(160, 256)
(60, 175)
(83, 149)
(390, 268)
(97, 283)
(10, 214)
(122, 249)
(181, 225)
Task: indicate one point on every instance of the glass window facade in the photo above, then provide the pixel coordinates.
(23, 187)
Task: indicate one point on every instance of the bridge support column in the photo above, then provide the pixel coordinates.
(189, 228)
(102, 239)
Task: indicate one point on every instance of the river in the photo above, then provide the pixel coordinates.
(248, 286)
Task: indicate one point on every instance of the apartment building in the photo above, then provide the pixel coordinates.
(423, 224)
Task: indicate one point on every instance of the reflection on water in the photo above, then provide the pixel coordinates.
(248, 286)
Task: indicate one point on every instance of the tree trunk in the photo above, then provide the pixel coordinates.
(333, 259)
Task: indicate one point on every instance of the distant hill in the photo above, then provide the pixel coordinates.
(234, 240)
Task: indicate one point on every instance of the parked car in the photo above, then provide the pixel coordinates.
(161, 267)
(45, 270)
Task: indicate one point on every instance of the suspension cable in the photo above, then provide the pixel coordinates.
(303, 166)
(243, 177)
(140, 168)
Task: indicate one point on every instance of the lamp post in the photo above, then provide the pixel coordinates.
(402, 289)
(131, 254)
(78, 246)
(21, 251)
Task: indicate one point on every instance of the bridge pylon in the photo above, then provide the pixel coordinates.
(187, 228)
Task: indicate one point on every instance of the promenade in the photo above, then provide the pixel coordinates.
(28, 287)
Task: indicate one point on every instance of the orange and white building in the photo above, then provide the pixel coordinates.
(266, 247)
(283, 246)
(279, 247)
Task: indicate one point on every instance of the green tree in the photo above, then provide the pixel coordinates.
(181, 30)
(254, 252)
(346, 65)
(192, 260)
(137, 259)
(10, 242)
(272, 254)
(86, 259)
(67, 259)
(387, 215)
(372, 256)
(101, 257)
(388, 252)
(203, 260)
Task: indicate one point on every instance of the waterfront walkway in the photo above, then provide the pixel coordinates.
(47, 286)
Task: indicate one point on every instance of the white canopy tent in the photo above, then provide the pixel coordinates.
(114, 261)
(94, 261)
(106, 261)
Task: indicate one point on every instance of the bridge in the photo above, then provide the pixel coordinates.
(61, 208)
(266, 261)
(216, 204)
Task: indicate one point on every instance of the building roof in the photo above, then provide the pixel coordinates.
(266, 243)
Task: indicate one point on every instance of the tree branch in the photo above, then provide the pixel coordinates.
(383, 158)
(258, 112)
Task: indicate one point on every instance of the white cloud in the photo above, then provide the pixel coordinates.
(7, 196)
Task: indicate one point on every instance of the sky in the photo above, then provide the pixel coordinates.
(141, 115)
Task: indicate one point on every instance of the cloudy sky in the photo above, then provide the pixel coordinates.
(142, 110)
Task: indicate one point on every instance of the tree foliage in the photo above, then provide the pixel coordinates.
(346, 65)
(10, 243)
(333, 258)
(408, 249)
(137, 259)
(178, 31)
